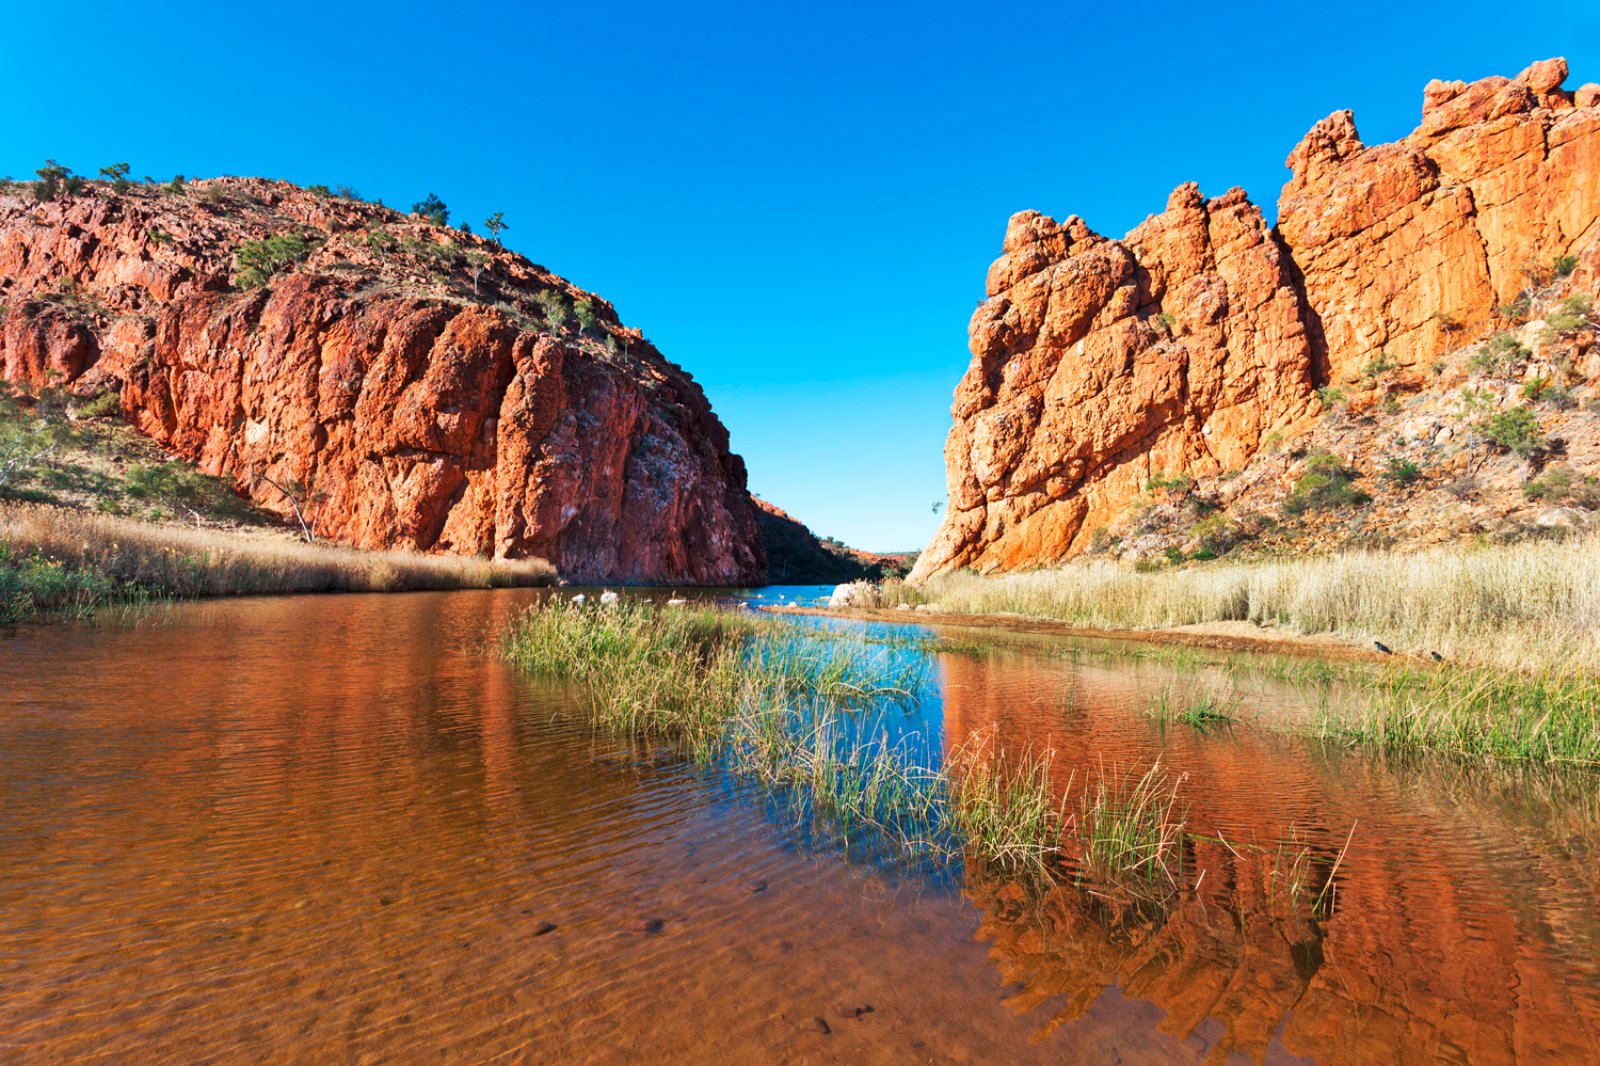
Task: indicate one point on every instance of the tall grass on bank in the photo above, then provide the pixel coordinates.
(54, 557)
(1521, 606)
(799, 710)
(1503, 715)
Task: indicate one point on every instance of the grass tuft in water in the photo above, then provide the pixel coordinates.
(1201, 710)
(1130, 827)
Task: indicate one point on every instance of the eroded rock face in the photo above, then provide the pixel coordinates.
(1403, 245)
(431, 417)
(1098, 364)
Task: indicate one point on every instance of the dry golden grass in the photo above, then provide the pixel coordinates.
(176, 561)
(1534, 605)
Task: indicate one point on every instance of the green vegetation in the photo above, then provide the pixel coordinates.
(1171, 484)
(789, 707)
(1562, 265)
(496, 224)
(1515, 430)
(1560, 484)
(76, 561)
(1499, 355)
(1543, 390)
(56, 181)
(1529, 606)
(259, 261)
(182, 490)
(1517, 310)
(1198, 710)
(557, 307)
(33, 585)
(1218, 534)
(1132, 829)
(1377, 367)
(1325, 485)
(1570, 315)
(1401, 471)
(585, 313)
(29, 436)
(117, 175)
(432, 209)
(1545, 717)
(1330, 397)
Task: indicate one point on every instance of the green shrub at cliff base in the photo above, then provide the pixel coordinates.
(1502, 352)
(1325, 485)
(259, 261)
(1569, 316)
(27, 440)
(182, 488)
(1516, 430)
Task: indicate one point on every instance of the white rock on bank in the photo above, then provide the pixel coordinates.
(854, 594)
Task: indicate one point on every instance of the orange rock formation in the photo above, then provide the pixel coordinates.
(1099, 363)
(441, 393)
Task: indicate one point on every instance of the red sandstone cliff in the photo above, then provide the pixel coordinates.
(441, 393)
(1099, 363)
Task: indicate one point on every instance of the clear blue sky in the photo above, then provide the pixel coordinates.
(797, 202)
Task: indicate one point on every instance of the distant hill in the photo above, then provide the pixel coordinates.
(796, 556)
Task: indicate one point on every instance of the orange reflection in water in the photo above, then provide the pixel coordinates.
(1462, 928)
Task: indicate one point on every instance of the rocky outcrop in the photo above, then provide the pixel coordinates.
(418, 386)
(1098, 364)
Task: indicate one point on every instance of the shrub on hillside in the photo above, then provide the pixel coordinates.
(1569, 316)
(258, 261)
(56, 181)
(1171, 484)
(1218, 534)
(1401, 472)
(1327, 484)
(1516, 430)
(1560, 484)
(1502, 352)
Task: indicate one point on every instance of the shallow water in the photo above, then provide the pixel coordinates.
(329, 829)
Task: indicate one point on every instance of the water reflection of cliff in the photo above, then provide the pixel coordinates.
(1465, 923)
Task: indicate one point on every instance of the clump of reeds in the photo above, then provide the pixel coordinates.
(1130, 827)
(1549, 717)
(793, 707)
(164, 560)
(1198, 710)
(1530, 605)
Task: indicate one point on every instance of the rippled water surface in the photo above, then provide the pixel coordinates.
(332, 829)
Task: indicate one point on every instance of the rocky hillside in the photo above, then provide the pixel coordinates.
(796, 556)
(1208, 356)
(413, 385)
